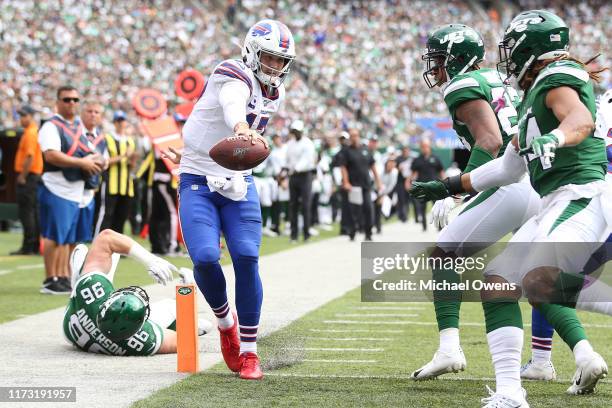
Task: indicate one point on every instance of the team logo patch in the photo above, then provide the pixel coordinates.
(240, 152)
(184, 291)
(261, 30)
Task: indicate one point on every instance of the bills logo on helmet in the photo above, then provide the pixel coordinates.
(261, 29)
(285, 36)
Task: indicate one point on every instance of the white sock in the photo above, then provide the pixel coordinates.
(540, 356)
(505, 345)
(582, 351)
(449, 340)
(226, 322)
(248, 347)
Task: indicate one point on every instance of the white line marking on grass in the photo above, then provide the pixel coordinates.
(351, 338)
(388, 308)
(34, 266)
(368, 350)
(5, 271)
(415, 323)
(353, 331)
(401, 377)
(330, 361)
(375, 315)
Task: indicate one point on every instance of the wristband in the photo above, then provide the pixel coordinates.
(558, 133)
(453, 185)
(140, 254)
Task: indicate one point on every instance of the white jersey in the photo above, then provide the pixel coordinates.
(206, 125)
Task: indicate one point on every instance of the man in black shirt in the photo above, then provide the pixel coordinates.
(356, 163)
(426, 167)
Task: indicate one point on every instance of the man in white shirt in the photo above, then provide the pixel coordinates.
(301, 162)
(68, 162)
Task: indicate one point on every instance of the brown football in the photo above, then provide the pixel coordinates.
(238, 153)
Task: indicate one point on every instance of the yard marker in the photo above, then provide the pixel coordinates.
(376, 315)
(187, 353)
(370, 350)
(353, 331)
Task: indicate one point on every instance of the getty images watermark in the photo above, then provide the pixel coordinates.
(417, 271)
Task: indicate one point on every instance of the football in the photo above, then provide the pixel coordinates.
(239, 153)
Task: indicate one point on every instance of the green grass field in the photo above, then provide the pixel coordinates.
(22, 276)
(392, 340)
(389, 341)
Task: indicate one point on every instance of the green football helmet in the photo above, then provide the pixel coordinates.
(454, 48)
(123, 313)
(532, 35)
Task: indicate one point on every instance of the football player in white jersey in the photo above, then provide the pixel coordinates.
(239, 98)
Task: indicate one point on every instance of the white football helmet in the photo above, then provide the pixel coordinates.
(271, 37)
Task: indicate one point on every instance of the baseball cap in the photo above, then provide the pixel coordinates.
(297, 125)
(119, 115)
(26, 110)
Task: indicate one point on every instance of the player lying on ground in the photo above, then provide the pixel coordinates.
(566, 165)
(100, 319)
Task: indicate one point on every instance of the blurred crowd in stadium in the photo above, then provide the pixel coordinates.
(359, 60)
(358, 69)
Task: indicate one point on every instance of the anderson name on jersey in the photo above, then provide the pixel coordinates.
(207, 124)
(80, 328)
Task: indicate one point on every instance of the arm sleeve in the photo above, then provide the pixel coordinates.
(233, 98)
(49, 138)
(502, 171)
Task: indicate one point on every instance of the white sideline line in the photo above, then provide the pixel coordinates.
(403, 377)
(351, 338)
(375, 315)
(369, 350)
(415, 323)
(333, 361)
(388, 308)
(34, 266)
(353, 331)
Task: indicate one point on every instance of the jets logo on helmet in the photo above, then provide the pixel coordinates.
(521, 25)
(273, 38)
(534, 35)
(451, 50)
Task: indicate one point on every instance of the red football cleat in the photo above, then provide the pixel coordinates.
(250, 370)
(230, 346)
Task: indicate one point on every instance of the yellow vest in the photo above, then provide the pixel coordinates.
(119, 179)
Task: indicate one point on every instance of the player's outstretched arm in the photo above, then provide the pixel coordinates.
(109, 242)
(502, 171)
(576, 122)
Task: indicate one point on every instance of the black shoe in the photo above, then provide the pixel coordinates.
(368, 238)
(21, 251)
(65, 282)
(352, 236)
(54, 286)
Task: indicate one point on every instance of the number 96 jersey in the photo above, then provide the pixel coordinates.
(80, 328)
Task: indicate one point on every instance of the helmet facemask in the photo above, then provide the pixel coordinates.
(436, 61)
(271, 76)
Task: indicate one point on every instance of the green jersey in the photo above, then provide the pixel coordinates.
(80, 328)
(580, 164)
(487, 84)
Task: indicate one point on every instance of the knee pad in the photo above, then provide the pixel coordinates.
(206, 255)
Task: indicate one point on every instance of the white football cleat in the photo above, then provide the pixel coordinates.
(587, 375)
(543, 371)
(495, 400)
(77, 259)
(204, 326)
(442, 363)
